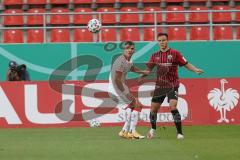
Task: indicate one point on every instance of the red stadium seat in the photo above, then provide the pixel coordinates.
(177, 33)
(238, 14)
(238, 32)
(221, 16)
(175, 17)
(82, 1)
(60, 35)
(197, 0)
(128, 1)
(150, 1)
(35, 36)
(149, 33)
(13, 36)
(223, 33)
(109, 34)
(198, 17)
(12, 2)
(129, 34)
(219, 0)
(13, 19)
(59, 1)
(105, 1)
(199, 33)
(82, 18)
(59, 18)
(36, 1)
(82, 35)
(107, 18)
(127, 17)
(149, 17)
(174, 1)
(35, 19)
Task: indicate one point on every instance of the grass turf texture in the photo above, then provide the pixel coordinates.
(200, 143)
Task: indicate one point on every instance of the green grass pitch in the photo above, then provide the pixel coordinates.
(200, 143)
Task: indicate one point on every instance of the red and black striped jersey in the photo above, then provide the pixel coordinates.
(167, 67)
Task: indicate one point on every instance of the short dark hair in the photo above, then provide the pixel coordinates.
(130, 43)
(162, 34)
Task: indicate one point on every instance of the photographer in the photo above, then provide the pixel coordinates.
(17, 72)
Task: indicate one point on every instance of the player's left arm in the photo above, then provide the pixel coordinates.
(183, 62)
(139, 71)
(191, 67)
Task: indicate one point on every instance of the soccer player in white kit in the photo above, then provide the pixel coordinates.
(120, 92)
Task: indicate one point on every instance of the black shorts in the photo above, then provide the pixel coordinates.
(160, 94)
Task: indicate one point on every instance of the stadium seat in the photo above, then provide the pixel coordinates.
(150, 1)
(198, 17)
(82, 18)
(174, 17)
(149, 33)
(82, 1)
(109, 34)
(13, 36)
(107, 18)
(60, 35)
(129, 34)
(197, 0)
(105, 1)
(127, 17)
(238, 14)
(82, 35)
(168, 1)
(59, 18)
(223, 33)
(128, 1)
(36, 1)
(177, 33)
(219, 0)
(238, 32)
(35, 19)
(12, 2)
(35, 36)
(199, 33)
(149, 17)
(221, 16)
(13, 19)
(59, 1)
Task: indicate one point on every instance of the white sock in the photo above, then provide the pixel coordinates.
(126, 126)
(134, 120)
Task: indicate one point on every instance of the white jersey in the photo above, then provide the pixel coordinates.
(123, 65)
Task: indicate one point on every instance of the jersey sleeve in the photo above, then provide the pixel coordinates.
(151, 62)
(181, 60)
(119, 66)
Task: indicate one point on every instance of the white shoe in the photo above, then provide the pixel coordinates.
(150, 134)
(180, 136)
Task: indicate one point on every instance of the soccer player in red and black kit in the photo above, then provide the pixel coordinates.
(167, 61)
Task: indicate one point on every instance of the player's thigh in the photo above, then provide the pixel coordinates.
(173, 98)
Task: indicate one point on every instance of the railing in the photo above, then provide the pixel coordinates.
(46, 25)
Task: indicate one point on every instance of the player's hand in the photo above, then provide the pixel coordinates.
(146, 72)
(199, 71)
(130, 97)
(140, 79)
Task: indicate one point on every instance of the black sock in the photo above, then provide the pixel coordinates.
(153, 120)
(177, 120)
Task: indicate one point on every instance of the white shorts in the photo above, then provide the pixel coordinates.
(118, 96)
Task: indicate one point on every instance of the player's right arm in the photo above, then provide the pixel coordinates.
(118, 80)
(119, 84)
(150, 65)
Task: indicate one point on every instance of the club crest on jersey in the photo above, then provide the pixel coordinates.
(169, 57)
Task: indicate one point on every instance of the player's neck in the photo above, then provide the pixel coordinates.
(164, 49)
(127, 57)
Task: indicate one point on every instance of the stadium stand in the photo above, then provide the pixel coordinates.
(191, 23)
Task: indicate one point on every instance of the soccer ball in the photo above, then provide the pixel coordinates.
(94, 25)
(94, 123)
